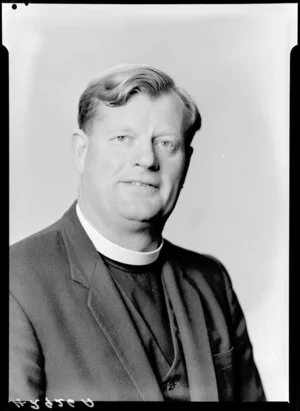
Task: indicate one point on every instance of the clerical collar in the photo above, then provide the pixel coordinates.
(114, 251)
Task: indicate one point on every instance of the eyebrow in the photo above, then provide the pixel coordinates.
(160, 133)
(167, 132)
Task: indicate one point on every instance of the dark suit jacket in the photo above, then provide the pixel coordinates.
(71, 336)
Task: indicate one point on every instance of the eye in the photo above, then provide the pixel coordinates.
(167, 144)
(121, 138)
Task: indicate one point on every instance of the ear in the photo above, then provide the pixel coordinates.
(189, 153)
(80, 143)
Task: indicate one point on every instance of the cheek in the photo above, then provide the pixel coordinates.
(95, 170)
(172, 175)
(102, 168)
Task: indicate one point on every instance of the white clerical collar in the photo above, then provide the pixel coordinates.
(114, 251)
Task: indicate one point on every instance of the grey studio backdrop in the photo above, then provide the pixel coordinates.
(234, 61)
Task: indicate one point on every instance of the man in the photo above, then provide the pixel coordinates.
(103, 307)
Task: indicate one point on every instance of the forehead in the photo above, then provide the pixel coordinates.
(141, 110)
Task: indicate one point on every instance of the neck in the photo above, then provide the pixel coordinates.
(134, 236)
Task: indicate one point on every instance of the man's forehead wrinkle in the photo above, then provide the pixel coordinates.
(163, 118)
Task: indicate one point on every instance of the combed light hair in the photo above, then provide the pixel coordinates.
(116, 86)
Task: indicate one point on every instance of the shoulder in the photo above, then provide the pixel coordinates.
(36, 256)
(205, 263)
(209, 276)
(41, 243)
(201, 267)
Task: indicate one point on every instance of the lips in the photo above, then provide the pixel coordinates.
(141, 183)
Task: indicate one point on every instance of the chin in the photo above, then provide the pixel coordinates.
(140, 214)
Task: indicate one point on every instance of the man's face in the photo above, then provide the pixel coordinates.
(135, 160)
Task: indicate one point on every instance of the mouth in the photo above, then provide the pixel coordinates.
(142, 184)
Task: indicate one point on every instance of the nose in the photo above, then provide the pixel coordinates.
(145, 156)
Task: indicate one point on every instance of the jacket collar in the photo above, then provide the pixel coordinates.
(83, 257)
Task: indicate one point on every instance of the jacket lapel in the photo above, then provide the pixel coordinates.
(111, 314)
(193, 332)
(107, 307)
